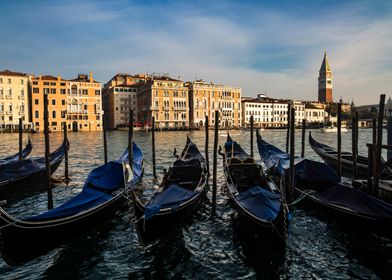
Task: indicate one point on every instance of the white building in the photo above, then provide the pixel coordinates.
(13, 100)
(267, 112)
(314, 114)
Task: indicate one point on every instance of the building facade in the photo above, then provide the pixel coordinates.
(84, 104)
(118, 95)
(267, 112)
(166, 99)
(325, 82)
(205, 98)
(14, 100)
(76, 103)
(314, 114)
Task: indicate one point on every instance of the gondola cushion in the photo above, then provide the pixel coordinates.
(171, 197)
(260, 202)
(87, 199)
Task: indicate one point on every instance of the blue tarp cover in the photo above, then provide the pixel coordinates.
(357, 201)
(260, 202)
(108, 177)
(87, 199)
(305, 169)
(171, 197)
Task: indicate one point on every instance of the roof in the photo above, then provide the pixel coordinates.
(11, 73)
(135, 85)
(83, 78)
(325, 65)
(46, 78)
(163, 78)
(312, 106)
(264, 100)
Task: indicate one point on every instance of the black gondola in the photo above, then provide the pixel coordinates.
(105, 189)
(330, 156)
(25, 152)
(255, 196)
(177, 197)
(319, 184)
(17, 175)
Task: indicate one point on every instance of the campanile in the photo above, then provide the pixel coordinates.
(325, 82)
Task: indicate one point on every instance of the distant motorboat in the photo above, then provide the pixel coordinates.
(333, 129)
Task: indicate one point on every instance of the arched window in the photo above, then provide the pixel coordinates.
(74, 90)
(53, 114)
(9, 107)
(1, 107)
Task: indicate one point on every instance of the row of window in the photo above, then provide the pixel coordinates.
(63, 91)
(9, 92)
(9, 81)
(10, 107)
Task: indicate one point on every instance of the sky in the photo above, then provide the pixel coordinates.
(261, 46)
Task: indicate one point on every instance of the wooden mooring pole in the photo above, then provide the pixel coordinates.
(251, 136)
(47, 153)
(374, 129)
(130, 138)
(354, 143)
(389, 136)
(153, 147)
(377, 151)
(339, 124)
(303, 138)
(292, 155)
(105, 145)
(66, 154)
(288, 127)
(215, 163)
(206, 124)
(20, 139)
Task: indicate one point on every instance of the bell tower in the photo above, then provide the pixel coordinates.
(325, 82)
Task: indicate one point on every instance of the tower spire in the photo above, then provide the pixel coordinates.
(325, 81)
(325, 65)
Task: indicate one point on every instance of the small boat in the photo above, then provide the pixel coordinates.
(333, 129)
(105, 189)
(17, 175)
(318, 183)
(25, 152)
(330, 156)
(177, 197)
(254, 195)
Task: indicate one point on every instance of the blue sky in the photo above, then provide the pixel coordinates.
(258, 45)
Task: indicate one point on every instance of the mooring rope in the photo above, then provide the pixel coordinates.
(301, 197)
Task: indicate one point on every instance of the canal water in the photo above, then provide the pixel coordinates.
(318, 247)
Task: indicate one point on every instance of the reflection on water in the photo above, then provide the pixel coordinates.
(219, 247)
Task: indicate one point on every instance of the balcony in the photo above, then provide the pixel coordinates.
(178, 108)
(21, 97)
(9, 113)
(166, 108)
(8, 96)
(154, 108)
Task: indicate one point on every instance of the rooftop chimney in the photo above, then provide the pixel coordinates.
(91, 77)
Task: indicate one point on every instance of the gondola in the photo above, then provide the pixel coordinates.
(330, 156)
(25, 152)
(18, 175)
(177, 197)
(318, 184)
(255, 196)
(105, 189)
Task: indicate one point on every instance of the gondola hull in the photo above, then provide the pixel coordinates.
(275, 233)
(22, 241)
(151, 229)
(35, 181)
(346, 216)
(329, 155)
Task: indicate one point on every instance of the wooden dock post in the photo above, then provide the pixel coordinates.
(288, 127)
(251, 136)
(377, 151)
(66, 154)
(206, 124)
(20, 138)
(389, 136)
(130, 138)
(374, 129)
(47, 153)
(370, 168)
(214, 175)
(303, 138)
(153, 147)
(292, 155)
(339, 163)
(354, 144)
(105, 145)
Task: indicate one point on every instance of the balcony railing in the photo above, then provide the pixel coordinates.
(8, 96)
